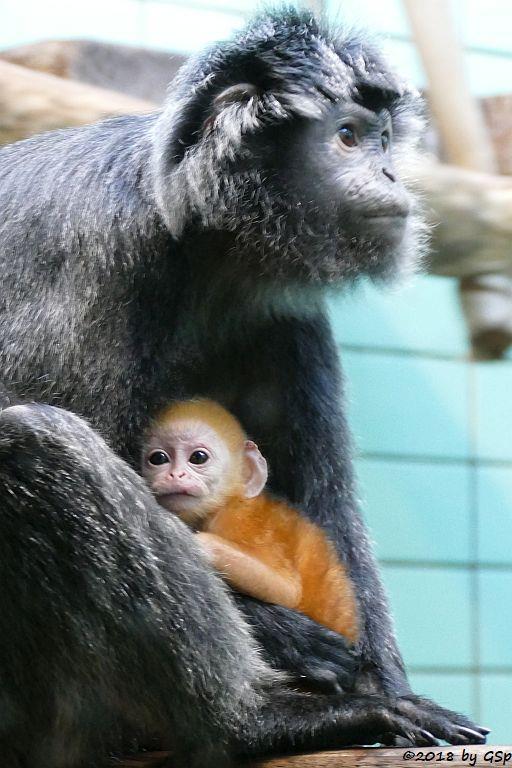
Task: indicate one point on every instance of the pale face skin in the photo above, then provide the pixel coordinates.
(186, 465)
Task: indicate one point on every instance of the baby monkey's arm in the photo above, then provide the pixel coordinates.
(245, 573)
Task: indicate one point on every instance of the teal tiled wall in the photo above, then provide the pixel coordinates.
(493, 389)
(442, 504)
(496, 703)
(494, 504)
(432, 608)
(428, 418)
(434, 441)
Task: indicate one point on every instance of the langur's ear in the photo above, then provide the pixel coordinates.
(235, 94)
(255, 471)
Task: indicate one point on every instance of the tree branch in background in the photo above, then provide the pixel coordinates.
(32, 102)
(486, 299)
(140, 72)
(472, 217)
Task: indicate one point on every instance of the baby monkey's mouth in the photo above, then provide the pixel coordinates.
(178, 495)
(175, 493)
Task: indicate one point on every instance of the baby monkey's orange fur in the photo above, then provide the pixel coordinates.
(273, 533)
(261, 545)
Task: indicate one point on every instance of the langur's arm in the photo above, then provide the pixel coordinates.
(245, 573)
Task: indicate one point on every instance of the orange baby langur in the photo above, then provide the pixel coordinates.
(201, 466)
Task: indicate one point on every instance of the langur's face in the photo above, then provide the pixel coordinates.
(341, 202)
(188, 467)
(300, 162)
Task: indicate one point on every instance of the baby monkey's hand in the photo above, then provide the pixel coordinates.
(249, 575)
(209, 544)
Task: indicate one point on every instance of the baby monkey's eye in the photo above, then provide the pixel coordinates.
(198, 457)
(158, 457)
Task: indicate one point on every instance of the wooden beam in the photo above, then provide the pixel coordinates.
(486, 299)
(136, 71)
(456, 757)
(32, 102)
(384, 758)
(497, 111)
(471, 214)
(53, 57)
(458, 117)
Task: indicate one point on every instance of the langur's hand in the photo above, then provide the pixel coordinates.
(311, 654)
(442, 723)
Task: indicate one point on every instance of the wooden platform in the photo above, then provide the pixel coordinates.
(361, 758)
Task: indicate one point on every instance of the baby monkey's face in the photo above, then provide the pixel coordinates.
(186, 465)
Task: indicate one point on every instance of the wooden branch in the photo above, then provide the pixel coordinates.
(472, 217)
(497, 111)
(458, 116)
(380, 758)
(53, 57)
(32, 102)
(353, 758)
(136, 71)
(485, 299)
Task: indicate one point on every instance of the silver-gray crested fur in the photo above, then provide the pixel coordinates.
(301, 73)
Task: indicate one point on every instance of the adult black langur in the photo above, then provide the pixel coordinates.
(151, 258)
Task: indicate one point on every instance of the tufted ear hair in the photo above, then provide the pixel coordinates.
(233, 94)
(255, 470)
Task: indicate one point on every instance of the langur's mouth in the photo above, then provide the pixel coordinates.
(387, 216)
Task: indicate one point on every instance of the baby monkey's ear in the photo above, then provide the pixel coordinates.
(255, 471)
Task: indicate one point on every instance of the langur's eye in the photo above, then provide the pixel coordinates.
(385, 140)
(347, 136)
(198, 457)
(158, 457)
